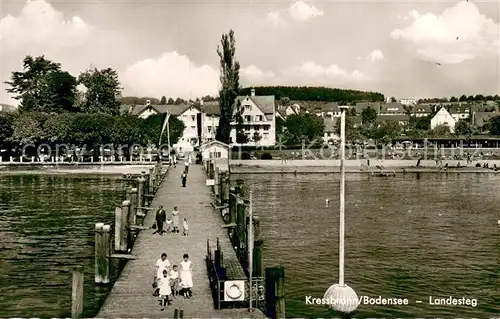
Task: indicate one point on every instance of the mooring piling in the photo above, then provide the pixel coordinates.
(275, 292)
(102, 252)
(77, 292)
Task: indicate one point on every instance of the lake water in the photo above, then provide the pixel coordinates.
(411, 236)
(46, 227)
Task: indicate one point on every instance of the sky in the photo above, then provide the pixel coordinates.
(406, 49)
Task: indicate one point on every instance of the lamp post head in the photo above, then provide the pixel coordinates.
(343, 108)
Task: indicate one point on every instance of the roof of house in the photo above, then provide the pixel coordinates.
(398, 118)
(211, 143)
(356, 120)
(330, 125)
(330, 107)
(264, 102)
(393, 108)
(211, 108)
(480, 118)
(460, 109)
(423, 109)
(360, 106)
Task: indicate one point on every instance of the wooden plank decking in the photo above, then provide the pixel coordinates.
(131, 295)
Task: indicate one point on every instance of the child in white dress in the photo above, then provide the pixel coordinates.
(165, 290)
(168, 223)
(161, 265)
(185, 226)
(186, 277)
(175, 219)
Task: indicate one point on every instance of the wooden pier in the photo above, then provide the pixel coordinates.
(131, 295)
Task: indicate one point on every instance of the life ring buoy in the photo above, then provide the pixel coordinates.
(234, 292)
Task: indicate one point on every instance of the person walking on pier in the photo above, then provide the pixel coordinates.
(184, 178)
(161, 264)
(186, 277)
(165, 290)
(175, 220)
(185, 226)
(186, 165)
(161, 217)
(174, 280)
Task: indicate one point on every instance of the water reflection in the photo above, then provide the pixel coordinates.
(408, 236)
(46, 228)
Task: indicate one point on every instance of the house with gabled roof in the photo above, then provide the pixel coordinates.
(480, 119)
(421, 110)
(392, 109)
(443, 117)
(361, 106)
(461, 112)
(259, 118)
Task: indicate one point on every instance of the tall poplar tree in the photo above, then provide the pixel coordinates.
(229, 79)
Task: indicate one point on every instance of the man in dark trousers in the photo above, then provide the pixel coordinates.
(184, 178)
(161, 217)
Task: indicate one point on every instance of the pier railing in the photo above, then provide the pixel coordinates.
(129, 220)
(267, 284)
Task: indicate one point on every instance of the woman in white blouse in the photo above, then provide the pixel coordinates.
(186, 274)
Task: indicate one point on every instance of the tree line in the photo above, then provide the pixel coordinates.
(306, 93)
(463, 98)
(134, 100)
(54, 111)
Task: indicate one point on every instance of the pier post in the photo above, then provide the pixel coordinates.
(232, 205)
(101, 253)
(77, 293)
(275, 292)
(241, 227)
(140, 194)
(121, 226)
(257, 248)
(151, 180)
(133, 207)
(216, 184)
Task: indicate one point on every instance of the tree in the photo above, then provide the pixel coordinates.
(390, 129)
(463, 127)
(178, 101)
(463, 98)
(43, 87)
(153, 124)
(368, 115)
(241, 136)
(496, 97)
(28, 128)
(285, 101)
(423, 123)
(393, 99)
(6, 127)
(489, 98)
(307, 127)
(441, 131)
(494, 125)
(102, 91)
(470, 98)
(163, 100)
(479, 97)
(170, 101)
(352, 111)
(229, 78)
(453, 99)
(256, 137)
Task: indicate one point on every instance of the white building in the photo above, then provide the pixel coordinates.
(214, 149)
(443, 117)
(259, 118)
(409, 102)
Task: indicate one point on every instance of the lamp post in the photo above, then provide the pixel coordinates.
(250, 252)
(343, 298)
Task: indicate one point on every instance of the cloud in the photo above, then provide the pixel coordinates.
(458, 34)
(40, 24)
(312, 70)
(171, 74)
(275, 18)
(301, 11)
(254, 74)
(376, 55)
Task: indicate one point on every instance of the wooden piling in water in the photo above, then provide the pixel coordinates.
(151, 180)
(140, 196)
(133, 207)
(77, 293)
(232, 205)
(275, 292)
(102, 251)
(121, 226)
(216, 184)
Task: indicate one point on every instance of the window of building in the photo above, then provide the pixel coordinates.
(215, 154)
(267, 127)
(266, 135)
(193, 127)
(209, 129)
(248, 118)
(193, 117)
(247, 128)
(184, 116)
(258, 118)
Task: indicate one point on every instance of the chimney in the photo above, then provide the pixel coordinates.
(252, 92)
(148, 102)
(201, 102)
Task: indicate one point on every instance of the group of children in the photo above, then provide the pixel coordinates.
(169, 282)
(171, 223)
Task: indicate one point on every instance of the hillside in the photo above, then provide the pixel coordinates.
(306, 93)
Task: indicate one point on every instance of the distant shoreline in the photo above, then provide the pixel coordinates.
(357, 166)
(67, 168)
